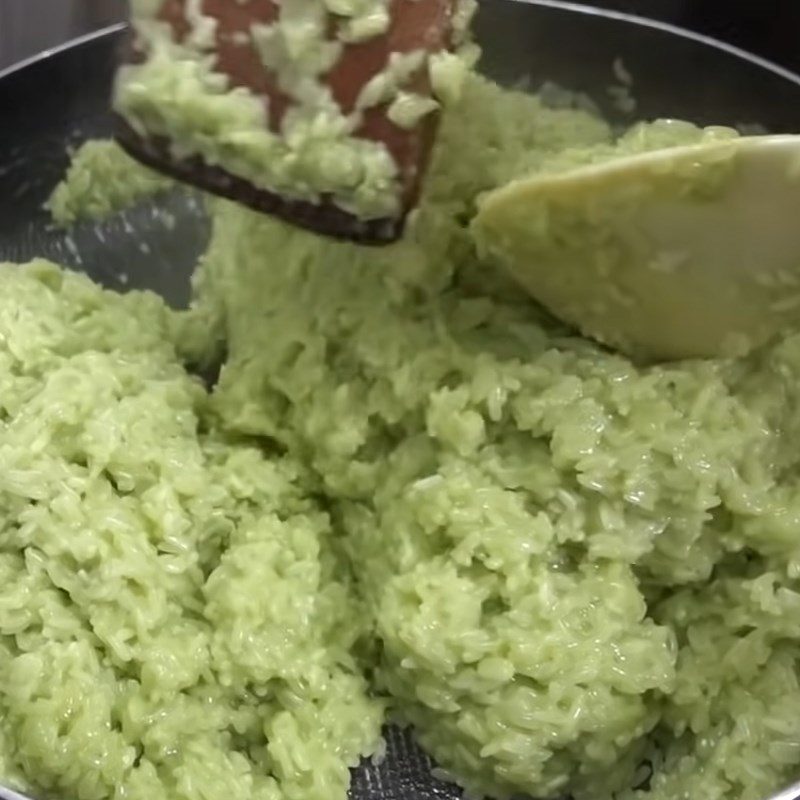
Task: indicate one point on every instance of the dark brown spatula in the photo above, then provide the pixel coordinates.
(421, 28)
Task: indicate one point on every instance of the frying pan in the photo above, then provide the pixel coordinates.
(53, 102)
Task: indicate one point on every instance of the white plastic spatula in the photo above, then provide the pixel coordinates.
(681, 252)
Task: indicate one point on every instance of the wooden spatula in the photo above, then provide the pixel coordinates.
(321, 112)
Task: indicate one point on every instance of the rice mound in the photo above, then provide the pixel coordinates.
(101, 180)
(571, 574)
(173, 619)
(580, 571)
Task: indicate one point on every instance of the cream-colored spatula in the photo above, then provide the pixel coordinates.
(681, 252)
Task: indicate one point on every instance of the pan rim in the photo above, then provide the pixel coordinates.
(585, 9)
(70, 44)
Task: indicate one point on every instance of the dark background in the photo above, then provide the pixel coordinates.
(770, 28)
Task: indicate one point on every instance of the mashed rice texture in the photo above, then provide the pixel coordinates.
(581, 571)
(173, 622)
(101, 180)
(578, 575)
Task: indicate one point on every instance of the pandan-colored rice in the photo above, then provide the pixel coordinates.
(101, 180)
(173, 622)
(539, 526)
(572, 574)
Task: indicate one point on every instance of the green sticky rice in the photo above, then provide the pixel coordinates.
(571, 574)
(173, 622)
(102, 180)
(580, 570)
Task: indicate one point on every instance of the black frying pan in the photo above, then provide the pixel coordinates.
(56, 101)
